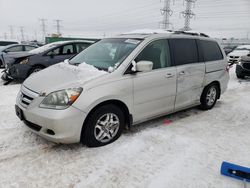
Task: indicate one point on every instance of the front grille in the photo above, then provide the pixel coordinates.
(246, 66)
(32, 125)
(27, 96)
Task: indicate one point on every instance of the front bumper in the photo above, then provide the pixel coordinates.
(60, 126)
(241, 71)
(17, 71)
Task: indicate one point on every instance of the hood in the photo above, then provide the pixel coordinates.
(239, 53)
(19, 54)
(62, 76)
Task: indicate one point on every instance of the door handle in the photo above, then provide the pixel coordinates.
(182, 73)
(169, 75)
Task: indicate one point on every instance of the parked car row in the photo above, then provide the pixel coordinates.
(13, 49)
(21, 65)
(117, 82)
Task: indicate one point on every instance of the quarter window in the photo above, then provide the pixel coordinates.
(184, 51)
(211, 51)
(156, 52)
(55, 51)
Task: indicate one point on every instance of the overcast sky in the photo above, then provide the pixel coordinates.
(218, 18)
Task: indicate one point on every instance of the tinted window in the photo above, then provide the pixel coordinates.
(28, 48)
(81, 46)
(15, 49)
(68, 49)
(211, 50)
(184, 51)
(157, 52)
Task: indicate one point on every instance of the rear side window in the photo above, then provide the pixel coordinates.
(184, 51)
(211, 50)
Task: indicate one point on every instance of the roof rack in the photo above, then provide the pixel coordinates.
(191, 33)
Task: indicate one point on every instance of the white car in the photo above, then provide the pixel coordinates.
(234, 56)
(120, 82)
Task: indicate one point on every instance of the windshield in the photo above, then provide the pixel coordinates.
(106, 53)
(43, 48)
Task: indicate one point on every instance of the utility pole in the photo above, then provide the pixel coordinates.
(58, 27)
(11, 32)
(43, 26)
(166, 12)
(22, 32)
(188, 14)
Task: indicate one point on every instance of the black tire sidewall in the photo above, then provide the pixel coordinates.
(203, 100)
(34, 68)
(88, 136)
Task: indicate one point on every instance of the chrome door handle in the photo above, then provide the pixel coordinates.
(182, 73)
(169, 75)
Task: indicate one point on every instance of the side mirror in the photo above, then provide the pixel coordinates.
(142, 66)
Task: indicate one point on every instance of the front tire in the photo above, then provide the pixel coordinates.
(35, 69)
(103, 126)
(209, 96)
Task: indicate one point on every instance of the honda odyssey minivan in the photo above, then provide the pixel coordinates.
(122, 81)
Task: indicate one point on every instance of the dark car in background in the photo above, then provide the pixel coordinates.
(22, 65)
(7, 42)
(243, 67)
(13, 49)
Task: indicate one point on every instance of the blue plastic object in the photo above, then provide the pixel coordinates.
(235, 171)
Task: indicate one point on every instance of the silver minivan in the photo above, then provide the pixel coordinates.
(122, 81)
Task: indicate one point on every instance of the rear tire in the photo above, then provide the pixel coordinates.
(1, 64)
(209, 96)
(103, 126)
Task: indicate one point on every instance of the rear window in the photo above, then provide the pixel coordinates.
(211, 51)
(184, 51)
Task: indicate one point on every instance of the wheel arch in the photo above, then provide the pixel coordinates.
(118, 103)
(218, 84)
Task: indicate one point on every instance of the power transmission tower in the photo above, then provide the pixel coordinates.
(43, 26)
(22, 32)
(188, 14)
(58, 27)
(11, 32)
(5, 36)
(166, 12)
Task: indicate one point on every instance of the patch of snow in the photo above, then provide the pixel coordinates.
(186, 153)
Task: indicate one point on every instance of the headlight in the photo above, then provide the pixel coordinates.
(61, 99)
(25, 61)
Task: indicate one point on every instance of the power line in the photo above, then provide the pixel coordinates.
(166, 12)
(188, 14)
